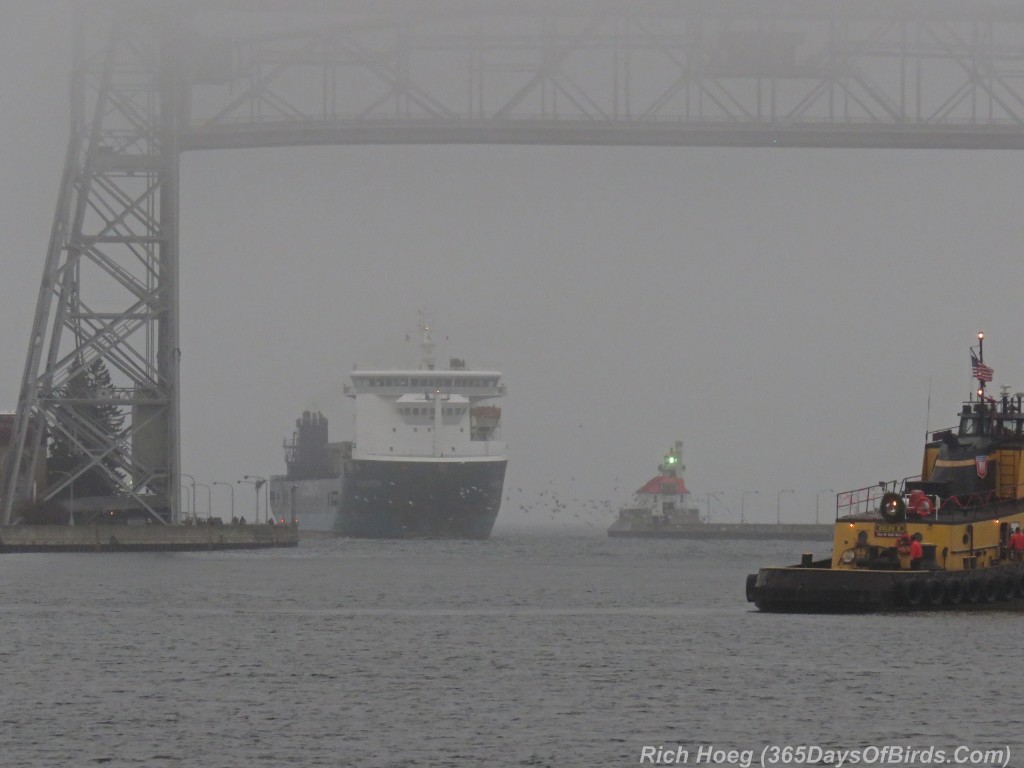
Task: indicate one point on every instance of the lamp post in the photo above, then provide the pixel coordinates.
(257, 482)
(209, 500)
(232, 489)
(778, 505)
(188, 502)
(185, 474)
(709, 497)
(817, 503)
(743, 498)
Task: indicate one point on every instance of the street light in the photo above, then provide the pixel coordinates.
(232, 489)
(183, 486)
(185, 474)
(817, 500)
(743, 498)
(710, 495)
(778, 505)
(209, 500)
(257, 482)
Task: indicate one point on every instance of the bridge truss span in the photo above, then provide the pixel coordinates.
(153, 79)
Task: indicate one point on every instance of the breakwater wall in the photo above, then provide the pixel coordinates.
(144, 538)
(780, 532)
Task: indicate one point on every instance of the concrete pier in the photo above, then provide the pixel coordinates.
(780, 532)
(144, 538)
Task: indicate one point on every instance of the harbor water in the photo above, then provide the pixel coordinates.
(530, 649)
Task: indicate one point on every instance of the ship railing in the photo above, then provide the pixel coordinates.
(866, 501)
(969, 501)
(472, 449)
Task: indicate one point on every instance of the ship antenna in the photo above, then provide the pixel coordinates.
(981, 359)
(426, 345)
(928, 411)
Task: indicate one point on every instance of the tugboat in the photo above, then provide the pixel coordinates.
(948, 538)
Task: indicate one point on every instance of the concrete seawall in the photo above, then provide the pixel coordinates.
(144, 538)
(781, 532)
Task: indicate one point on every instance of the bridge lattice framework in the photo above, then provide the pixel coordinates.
(153, 80)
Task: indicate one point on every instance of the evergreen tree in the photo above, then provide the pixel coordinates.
(64, 456)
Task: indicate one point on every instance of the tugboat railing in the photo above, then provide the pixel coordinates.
(865, 502)
(970, 501)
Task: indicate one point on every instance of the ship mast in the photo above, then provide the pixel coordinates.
(981, 359)
(426, 344)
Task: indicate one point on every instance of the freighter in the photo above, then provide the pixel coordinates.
(427, 461)
(948, 538)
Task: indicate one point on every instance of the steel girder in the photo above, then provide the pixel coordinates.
(109, 286)
(827, 73)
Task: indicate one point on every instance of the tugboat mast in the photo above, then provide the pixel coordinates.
(981, 359)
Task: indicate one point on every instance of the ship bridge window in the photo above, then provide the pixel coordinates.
(968, 426)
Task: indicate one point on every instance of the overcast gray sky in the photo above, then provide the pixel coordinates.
(783, 312)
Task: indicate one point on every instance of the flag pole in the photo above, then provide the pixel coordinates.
(981, 359)
(928, 411)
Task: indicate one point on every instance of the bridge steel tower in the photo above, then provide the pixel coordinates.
(153, 78)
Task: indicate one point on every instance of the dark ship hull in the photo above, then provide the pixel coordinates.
(421, 499)
(817, 588)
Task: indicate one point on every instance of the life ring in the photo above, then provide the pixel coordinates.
(934, 592)
(972, 590)
(924, 507)
(913, 592)
(990, 589)
(892, 507)
(954, 591)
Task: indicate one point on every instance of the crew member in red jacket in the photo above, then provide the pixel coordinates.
(916, 552)
(1017, 545)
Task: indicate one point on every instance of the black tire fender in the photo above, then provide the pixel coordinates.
(972, 590)
(954, 590)
(892, 507)
(934, 592)
(1008, 587)
(913, 592)
(990, 589)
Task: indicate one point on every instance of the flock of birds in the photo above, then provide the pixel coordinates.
(548, 506)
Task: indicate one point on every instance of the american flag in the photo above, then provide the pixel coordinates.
(979, 370)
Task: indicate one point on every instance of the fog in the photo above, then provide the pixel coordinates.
(789, 314)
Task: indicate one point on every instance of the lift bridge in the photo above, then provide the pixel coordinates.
(154, 79)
